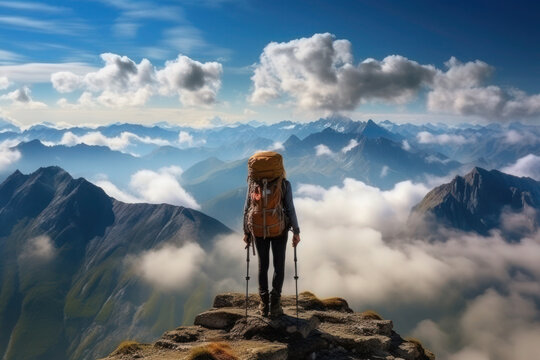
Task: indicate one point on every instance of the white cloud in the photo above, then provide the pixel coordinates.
(32, 73)
(425, 137)
(113, 191)
(517, 137)
(122, 82)
(33, 6)
(22, 97)
(8, 156)
(65, 81)
(44, 26)
(120, 142)
(384, 171)
(195, 83)
(162, 187)
(351, 145)
(153, 187)
(319, 73)
(171, 267)
(4, 82)
(405, 145)
(322, 149)
(39, 248)
(528, 165)
(461, 90)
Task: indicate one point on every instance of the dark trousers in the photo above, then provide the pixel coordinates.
(278, 244)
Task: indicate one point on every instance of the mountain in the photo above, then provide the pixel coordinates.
(325, 329)
(476, 201)
(69, 268)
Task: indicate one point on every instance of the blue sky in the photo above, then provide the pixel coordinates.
(39, 39)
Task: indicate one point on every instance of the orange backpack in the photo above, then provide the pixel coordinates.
(266, 215)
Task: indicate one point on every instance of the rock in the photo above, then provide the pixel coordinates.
(325, 330)
(270, 352)
(219, 319)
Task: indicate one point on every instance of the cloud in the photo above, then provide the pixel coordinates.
(8, 155)
(44, 26)
(528, 165)
(425, 137)
(461, 90)
(155, 187)
(185, 139)
(4, 82)
(405, 145)
(195, 83)
(113, 191)
(122, 82)
(384, 171)
(33, 6)
(517, 137)
(31, 73)
(319, 73)
(65, 81)
(351, 145)
(22, 97)
(322, 149)
(39, 248)
(120, 142)
(171, 267)
(355, 245)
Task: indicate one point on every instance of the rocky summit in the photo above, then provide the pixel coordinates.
(324, 329)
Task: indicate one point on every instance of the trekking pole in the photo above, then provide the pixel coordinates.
(296, 283)
(247, 277)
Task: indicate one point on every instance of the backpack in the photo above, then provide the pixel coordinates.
(266, 214)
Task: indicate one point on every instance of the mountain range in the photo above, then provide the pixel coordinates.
(484, 200)
(66, 283)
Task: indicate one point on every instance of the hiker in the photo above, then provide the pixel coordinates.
(268, 216)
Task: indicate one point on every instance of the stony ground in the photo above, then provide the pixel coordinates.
(325, 329)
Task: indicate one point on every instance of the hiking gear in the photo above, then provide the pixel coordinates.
(264, 305)
(279, 247)
(266, 215)
(291, 222)
(247, 277)
(296, 283)
(275, 305)
(265, 165)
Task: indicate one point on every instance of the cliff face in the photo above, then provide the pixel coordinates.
(475, 201)
(325, 329)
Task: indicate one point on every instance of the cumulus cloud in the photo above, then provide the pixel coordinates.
(120, 142)
(319, 73)
(322, 149)
(425, 137)
(528, 165)
(153, 187)
(171, 267)
(22, 97)
(162, 187)
(351, 145)
(8, 155)
(122, 82)
(39, 248)
(461, 90)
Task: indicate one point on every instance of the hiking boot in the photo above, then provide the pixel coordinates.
(275, 306)
(264, 305)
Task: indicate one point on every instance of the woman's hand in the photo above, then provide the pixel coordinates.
(246, 239)
(295, 239)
